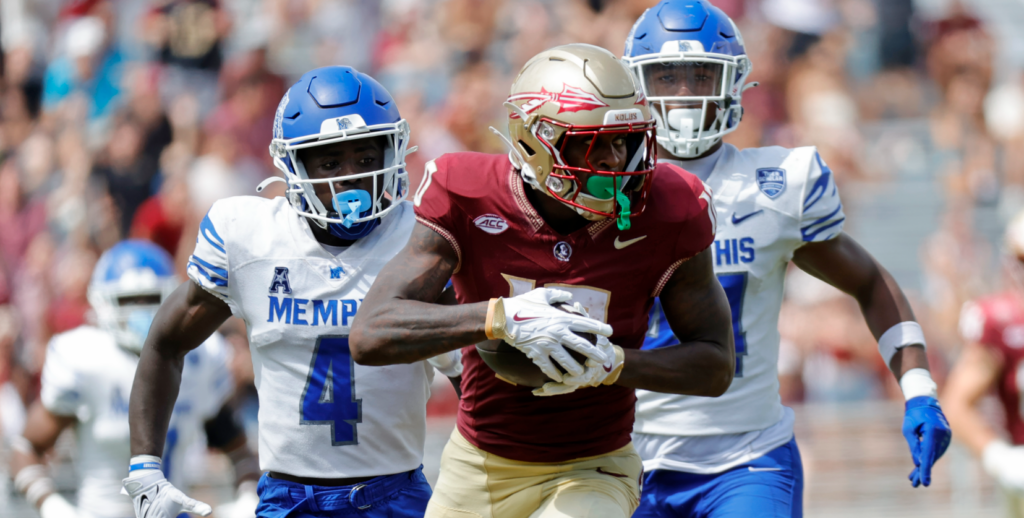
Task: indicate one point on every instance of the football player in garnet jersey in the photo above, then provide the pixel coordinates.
(735, 455)
(993, 358)
(577, 210)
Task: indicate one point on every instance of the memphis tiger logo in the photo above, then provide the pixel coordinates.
(570, 99)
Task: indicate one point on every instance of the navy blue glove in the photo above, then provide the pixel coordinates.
(928, 434)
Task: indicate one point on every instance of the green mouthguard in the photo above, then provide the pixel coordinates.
(604, 188)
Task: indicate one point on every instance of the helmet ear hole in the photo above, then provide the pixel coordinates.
(527, 149)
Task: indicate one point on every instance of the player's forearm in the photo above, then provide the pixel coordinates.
(693, 369)
(846, 265)
(884, 305)
(406, 331)
(154, 391)
(969, 426)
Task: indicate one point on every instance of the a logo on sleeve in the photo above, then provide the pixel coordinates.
(281, 281)
(491, 223)
(771, 181)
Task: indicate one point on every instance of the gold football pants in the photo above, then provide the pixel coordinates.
(477, 484)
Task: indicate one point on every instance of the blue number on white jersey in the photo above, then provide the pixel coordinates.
(659, 334)
(734, 285)
(330, 393)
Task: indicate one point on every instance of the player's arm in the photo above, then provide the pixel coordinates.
(704, 361)
(31, 477)
(397, 324)
(843, 263)
(185, 320)
(846, 265)
(973, 375)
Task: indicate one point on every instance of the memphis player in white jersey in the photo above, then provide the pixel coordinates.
(335, 438)
(87, 379)
(735, 455)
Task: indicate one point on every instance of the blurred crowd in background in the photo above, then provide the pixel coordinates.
(129, 118)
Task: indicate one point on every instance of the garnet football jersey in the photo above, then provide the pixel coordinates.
(478, 203)
(997, 322)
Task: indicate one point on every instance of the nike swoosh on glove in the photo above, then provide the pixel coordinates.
(531, 323)
(155, 497)
(928, 434)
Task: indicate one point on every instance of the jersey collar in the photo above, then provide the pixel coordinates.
(700, 167)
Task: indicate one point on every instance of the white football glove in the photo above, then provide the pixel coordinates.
(594, 374)
(1005, 463)
(449, 363)
(531, 324)
(155, 497)
(244, 505)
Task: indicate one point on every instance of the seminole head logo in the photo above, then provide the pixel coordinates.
(570, 99)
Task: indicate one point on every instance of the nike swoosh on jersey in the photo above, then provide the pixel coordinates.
(518, 318)
(618, 475)
(755, 470)
(619, 245)
(737, 221)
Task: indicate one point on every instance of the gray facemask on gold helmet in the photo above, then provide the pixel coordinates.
(574, 95)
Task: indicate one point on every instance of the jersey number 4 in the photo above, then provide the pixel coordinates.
(330, 394)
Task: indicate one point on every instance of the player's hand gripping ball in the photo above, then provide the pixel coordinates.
(514, 366)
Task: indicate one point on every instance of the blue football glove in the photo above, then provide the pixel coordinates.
(928, 434)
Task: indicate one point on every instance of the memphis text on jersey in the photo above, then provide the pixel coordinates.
(306, 312)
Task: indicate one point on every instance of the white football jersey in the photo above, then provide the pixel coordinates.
(770, 201)
(321, 415)
(86, 375)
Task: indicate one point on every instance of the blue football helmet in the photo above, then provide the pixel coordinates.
(128, 285)
(330, 105)
(689, 58)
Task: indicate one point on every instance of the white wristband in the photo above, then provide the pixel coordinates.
(917, 383)
(141, 465)
(898, 337)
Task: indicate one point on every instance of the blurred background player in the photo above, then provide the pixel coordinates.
(993, 361)
(736, 455)
(296, 269)
(576, 210)
(87, 379)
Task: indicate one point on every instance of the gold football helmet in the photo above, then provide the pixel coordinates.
(581, 90)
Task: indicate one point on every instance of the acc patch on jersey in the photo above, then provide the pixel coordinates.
(771, 181)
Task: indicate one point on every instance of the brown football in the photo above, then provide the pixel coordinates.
(511, 365)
